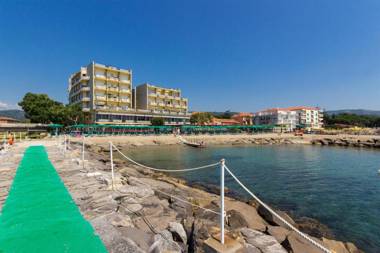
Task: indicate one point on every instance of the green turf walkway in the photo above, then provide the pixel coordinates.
(39, 214)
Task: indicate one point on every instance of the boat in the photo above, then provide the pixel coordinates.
(195, 145)
(192, 144)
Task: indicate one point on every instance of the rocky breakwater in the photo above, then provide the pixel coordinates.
(152, 212)
(368, 142)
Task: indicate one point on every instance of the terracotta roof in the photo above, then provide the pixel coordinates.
(243, 114)
(293, 108)
(7, 118)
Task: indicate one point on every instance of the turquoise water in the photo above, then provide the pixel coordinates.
(340, 187)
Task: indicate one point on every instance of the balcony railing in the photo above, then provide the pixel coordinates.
(100, 97)
(85, 99)
(100, 87)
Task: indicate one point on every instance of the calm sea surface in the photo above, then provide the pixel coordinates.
(340, 187)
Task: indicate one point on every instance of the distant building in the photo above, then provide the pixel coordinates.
(224, 122)
(244, 118)
(167, 102)
(291, 117)
(8, 120)
(105, 94)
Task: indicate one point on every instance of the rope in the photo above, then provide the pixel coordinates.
(303, 235)
(171, 196)
(163, 170)
(167, 194)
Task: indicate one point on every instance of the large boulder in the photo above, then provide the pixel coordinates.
(137, 191)
(272, 219)
(266, 243)
(278, 232)
(235, 220)
(163, 242)
(112, 238)
(335, 246)
(314, 228)
(300, 245)
(178, 232)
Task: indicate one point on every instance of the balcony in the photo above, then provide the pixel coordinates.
(125, 81)
(113, 100)
(86, 88)
(152, 103)
(85, 109)
(152, 94)
(125, 91)
(113, 89)
(112, 79)
(100, 87)
(124, 100)
(100, 77)
(101, 98)
(85, 99)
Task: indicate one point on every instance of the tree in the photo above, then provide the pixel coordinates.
(157, 121)
(39, 108)
(200, 118)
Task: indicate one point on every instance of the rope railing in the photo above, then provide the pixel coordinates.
(165, 170)
(303, 235)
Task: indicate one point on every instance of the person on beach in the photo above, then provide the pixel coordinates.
(11, 138)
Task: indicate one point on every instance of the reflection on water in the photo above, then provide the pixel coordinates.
(338, 186)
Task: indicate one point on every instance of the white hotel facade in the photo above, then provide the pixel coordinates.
(291, 117)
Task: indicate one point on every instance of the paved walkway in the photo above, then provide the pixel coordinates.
(39, 214)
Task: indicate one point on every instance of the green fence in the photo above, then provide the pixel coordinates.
(158, 130)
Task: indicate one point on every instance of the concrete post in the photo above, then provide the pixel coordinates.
(222, 201)
(111, 159)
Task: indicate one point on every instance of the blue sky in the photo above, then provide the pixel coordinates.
(225, 55)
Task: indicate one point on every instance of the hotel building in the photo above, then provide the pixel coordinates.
(292, 117)
(106, 95)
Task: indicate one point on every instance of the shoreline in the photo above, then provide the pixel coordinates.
(307, 225)
(366, 141)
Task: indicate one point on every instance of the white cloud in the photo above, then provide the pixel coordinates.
(3, 105)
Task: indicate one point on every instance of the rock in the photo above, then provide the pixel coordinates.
(300, 245)
(273, 220)
(236, 220)
(248, 248)
(133, 207)
(163, 243)
(118, 220)
(112, 238)
(314, 228)
(266, 243)
(142, 238)
(278, 232)
(352, 248)
(178, 232)
(335, 246)
(249, 213)
(138, 191)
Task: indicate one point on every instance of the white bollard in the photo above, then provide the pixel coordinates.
(83, 151)
(64, 145)
(111, 159)
(222, 201)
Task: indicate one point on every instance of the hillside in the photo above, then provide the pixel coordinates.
(354, 111)
(15, 114)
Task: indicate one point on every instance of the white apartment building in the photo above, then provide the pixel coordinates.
(291, 117)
